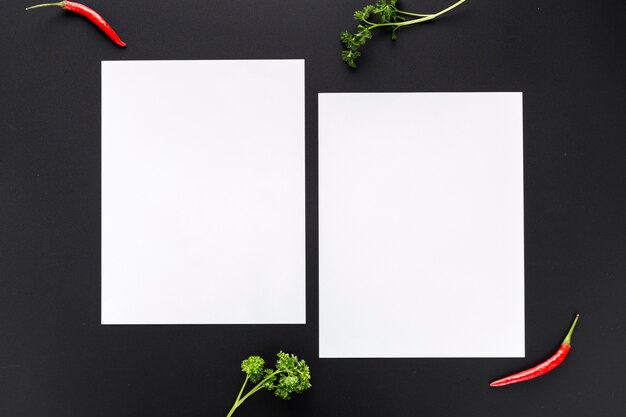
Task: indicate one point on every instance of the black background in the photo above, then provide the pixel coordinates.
(57, 360)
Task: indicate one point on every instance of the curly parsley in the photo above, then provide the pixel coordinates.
(384, 13)
(290, 377)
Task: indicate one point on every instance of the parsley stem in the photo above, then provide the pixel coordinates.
(238, 401)
(448, 9)
(411, 14)
(242, 388)
(232, 410)
(420, 20)
(258, 386)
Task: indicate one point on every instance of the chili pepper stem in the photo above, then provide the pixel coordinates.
(568, 339)
(59, 4)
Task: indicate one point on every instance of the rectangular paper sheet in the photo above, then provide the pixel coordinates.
(421, 227)
(203, 216)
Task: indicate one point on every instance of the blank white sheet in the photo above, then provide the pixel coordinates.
(421, 229)
(203, 215)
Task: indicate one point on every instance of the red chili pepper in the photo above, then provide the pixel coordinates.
(90, 14)
(544, 367)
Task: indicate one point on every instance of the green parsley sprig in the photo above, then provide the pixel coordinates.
(291, 376)
(384, 13)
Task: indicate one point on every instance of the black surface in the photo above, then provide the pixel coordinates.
(57, 360)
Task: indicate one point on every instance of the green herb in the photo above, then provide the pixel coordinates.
(291, 376)
(384, 13)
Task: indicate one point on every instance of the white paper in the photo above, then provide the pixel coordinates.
(203, 215)
(421, 237)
